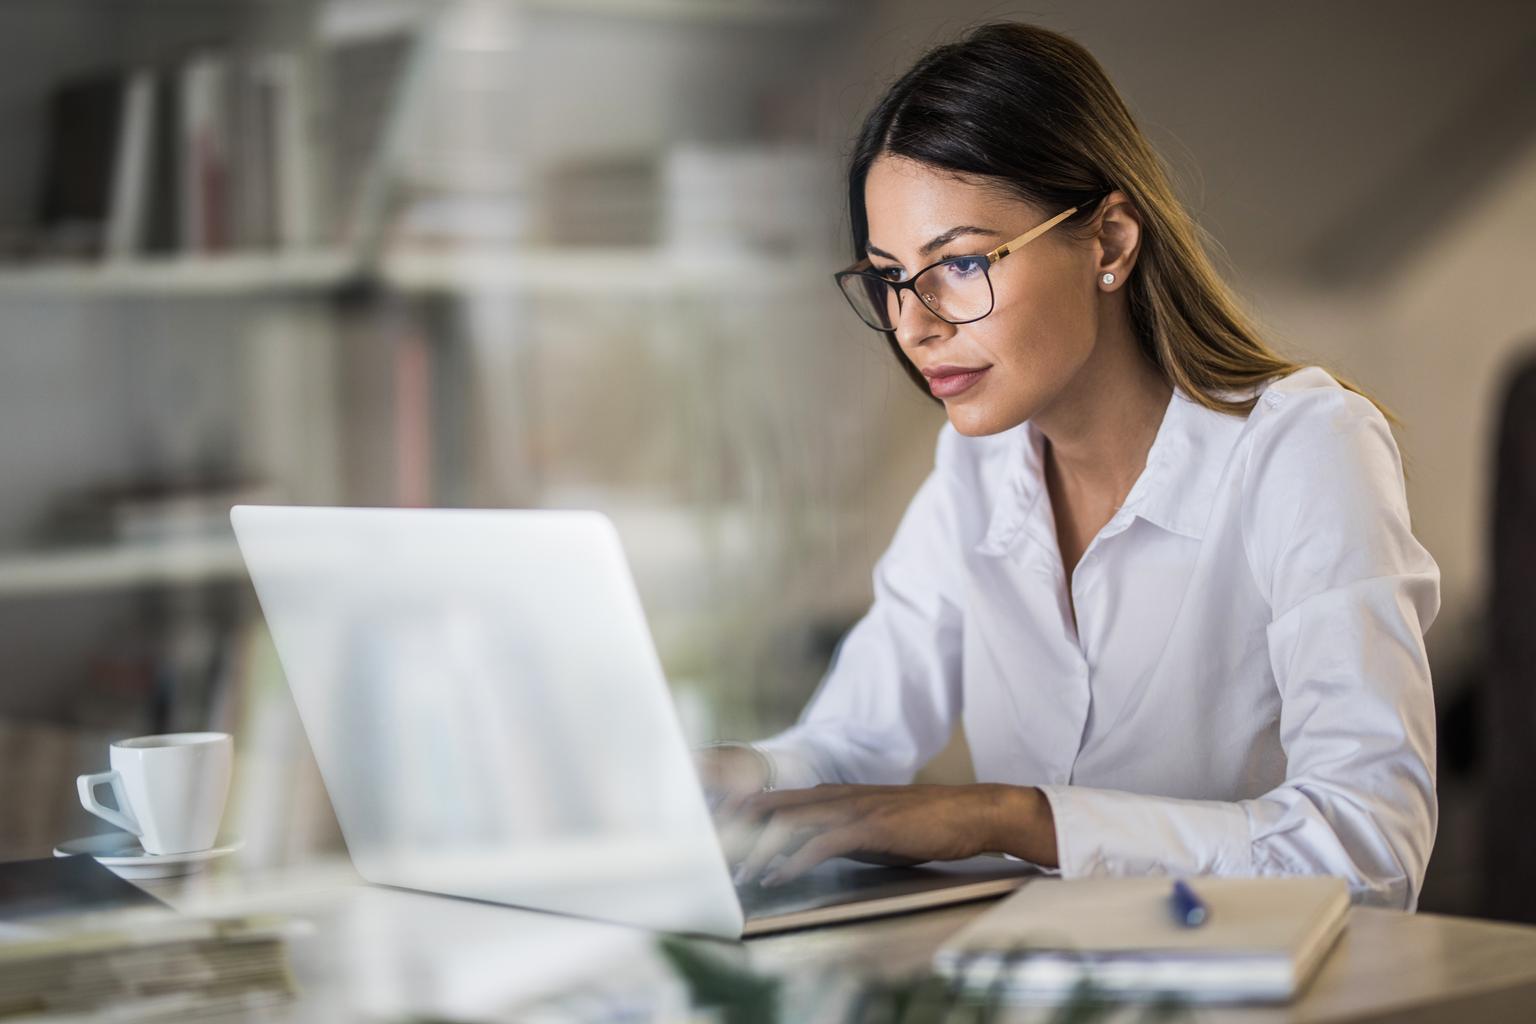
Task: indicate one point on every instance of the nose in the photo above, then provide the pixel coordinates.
(916, 323)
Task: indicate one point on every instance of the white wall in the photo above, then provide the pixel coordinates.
(1433, 342)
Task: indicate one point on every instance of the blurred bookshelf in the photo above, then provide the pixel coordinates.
(168, 277)
(593, 272)
(121, 565)
(465, 277)
(596, 273)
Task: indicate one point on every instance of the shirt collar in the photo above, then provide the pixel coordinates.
(1174, 491)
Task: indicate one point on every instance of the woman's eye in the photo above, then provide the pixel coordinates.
(970, 266)
(889, 273)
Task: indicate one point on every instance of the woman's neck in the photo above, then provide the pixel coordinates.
(1102, 426)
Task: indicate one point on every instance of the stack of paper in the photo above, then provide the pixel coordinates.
(142, 964)
(1262, 942)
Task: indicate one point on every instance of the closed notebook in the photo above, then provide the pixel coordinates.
(1263, 940)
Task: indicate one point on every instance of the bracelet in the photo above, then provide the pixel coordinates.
(770, 769)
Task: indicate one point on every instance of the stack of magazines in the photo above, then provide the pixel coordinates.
(77, 941)
(141, 967)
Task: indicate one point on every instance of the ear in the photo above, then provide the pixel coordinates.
(1118, 236)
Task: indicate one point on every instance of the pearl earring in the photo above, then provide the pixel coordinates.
(1109, 278)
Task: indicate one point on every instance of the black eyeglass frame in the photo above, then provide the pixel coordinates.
(861, 269)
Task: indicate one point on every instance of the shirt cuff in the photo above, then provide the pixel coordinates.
(792, 762)
(1111, 832)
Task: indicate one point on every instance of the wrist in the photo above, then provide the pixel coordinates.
(768, 774)
(1017, 820)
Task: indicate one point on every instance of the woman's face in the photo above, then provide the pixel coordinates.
(1044, 320)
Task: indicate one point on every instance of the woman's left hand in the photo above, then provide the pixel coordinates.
(892, 825)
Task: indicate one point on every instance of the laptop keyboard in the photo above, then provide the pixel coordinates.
(834, 881)
(755, 898)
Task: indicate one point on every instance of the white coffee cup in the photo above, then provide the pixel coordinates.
(170, 789)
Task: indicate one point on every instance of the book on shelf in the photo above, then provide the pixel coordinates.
(162, 184)
(220, 151)
(365, 80)
(204, 152)
(85, 116)
(283, 76)
(39, 760)
(127, 210)
(254, 156)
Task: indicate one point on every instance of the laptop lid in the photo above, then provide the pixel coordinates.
(487, 709)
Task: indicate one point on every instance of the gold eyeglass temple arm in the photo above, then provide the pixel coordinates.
(1028, 236)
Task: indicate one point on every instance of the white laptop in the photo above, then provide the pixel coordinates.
(491, 721)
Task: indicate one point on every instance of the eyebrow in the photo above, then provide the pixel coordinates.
(940, 241)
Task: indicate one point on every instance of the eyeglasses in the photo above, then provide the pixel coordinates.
(958, 289)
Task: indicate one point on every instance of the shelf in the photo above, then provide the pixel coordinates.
(595, 273)
(108, 567)
(724, 11)
(182, 275)
(590, 273)
(353, 19)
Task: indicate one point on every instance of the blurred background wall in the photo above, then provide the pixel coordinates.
(575, 254)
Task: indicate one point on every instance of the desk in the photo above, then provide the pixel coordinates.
(391, 954)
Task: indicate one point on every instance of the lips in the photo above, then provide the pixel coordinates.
(947, 381)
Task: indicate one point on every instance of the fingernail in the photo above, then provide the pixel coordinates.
(769, 880)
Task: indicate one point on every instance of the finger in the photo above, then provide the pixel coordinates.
(720, 805)
(743, 806)
(733, 805)
(709, 785)
(836, 843)
(784, 833)
(736, 839)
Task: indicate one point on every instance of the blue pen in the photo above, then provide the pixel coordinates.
(1188, 909)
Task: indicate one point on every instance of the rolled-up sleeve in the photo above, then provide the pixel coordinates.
(890, 698)
(1352, 592)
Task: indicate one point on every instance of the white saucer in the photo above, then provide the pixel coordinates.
(122, 853)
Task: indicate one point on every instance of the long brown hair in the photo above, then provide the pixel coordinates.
(1032, 114)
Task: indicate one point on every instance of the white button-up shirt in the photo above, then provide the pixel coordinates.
(1245, 691)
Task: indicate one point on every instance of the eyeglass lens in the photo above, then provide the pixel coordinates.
(956, 291)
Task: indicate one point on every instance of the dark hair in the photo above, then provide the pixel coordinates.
(1029, 113)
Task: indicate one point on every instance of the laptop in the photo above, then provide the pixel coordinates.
(491, 721)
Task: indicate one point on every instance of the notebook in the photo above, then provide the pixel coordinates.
(1263, 940)
(51, 886)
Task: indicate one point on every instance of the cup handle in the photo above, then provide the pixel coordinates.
(123, 819)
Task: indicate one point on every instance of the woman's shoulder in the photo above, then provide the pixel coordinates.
(1306, 425)
(1310, 400)
(1323, 473)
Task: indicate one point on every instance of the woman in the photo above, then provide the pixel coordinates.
(1164, 576)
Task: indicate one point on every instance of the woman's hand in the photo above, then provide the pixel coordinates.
(729, 776)
(893, 825)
